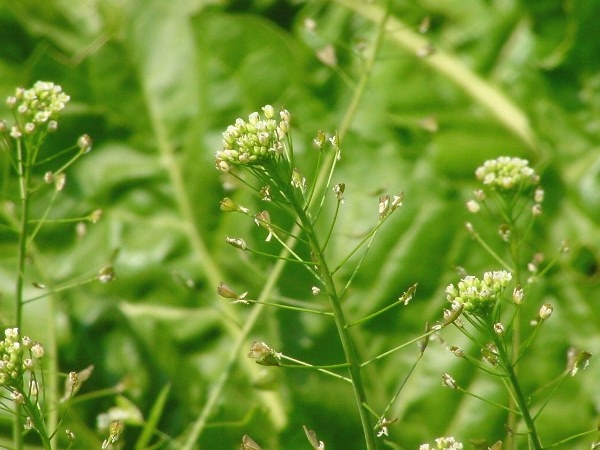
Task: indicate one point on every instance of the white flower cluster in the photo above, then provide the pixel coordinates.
(39, 105)
(254, 141)
(17, 355)
(443, 443)
(507, 173)
(477, 296)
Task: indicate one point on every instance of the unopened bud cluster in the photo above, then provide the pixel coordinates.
(506, 173)
(37, 106)
(17, 356)
(254, 141)
(478, 296)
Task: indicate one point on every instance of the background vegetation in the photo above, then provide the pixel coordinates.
(155, 82)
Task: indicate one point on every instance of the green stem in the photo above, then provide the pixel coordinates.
(37, 419)
(519, 398)
(354, 364)
(52, 395)
(24, 175)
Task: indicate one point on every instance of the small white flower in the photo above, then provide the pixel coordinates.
(473, 206)
(546, 311)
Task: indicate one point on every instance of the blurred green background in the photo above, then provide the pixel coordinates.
(155, 82)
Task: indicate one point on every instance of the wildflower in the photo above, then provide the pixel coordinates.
(504, 232)
(84, 143)
(546, 311)
(518, 295)
(338, 190)
(18, 398)
(388, 205)
(37, 350)
(15, 132)
(253, 142)
(478, 296)
(28, 364)
(39, 105)
(538, 195)
(473, 206)
(384, 204)
(506, 174)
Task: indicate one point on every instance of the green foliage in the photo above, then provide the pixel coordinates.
(155, 83)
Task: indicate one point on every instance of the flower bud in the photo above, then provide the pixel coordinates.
(448, 381)
(338, 190)
(499, 329)
(538, 195)
(319, 140)
(84, 143)
(269, 111)
(546, 311)
(106, 274)
(384, 205)
(473, 206)
(397, 201)
(518, 295)
(37, 350)
(15, 132)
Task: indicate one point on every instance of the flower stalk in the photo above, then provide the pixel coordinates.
(262, 146)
